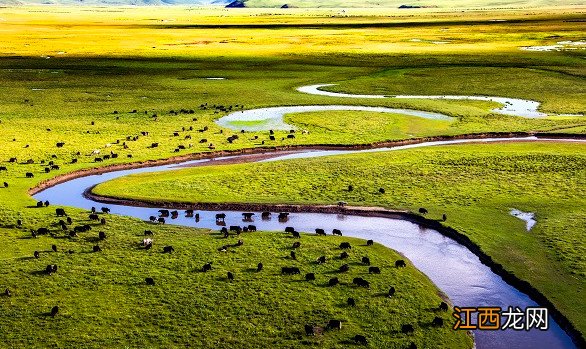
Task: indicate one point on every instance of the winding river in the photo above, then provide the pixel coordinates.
(451, 266)
(510, 106)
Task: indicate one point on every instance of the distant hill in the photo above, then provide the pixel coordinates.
(404, 4)
(116, 2)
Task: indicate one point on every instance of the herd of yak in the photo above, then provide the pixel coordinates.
(99, 157)
(66, 224)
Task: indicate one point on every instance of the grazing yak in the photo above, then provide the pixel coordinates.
(444, 217)
(296, 234)
(153, 219)
(374, 270)
(36, 254)
(344, 255)
(230, 276)
(381, 190)
(290, 270)
(293, 255)
(94, 217)
(334, 325)
(319, 231)
(283, 216)
(361, 282)
(54, 311)
(333, 282)
(309, 331)
(437, 322)
(236, 228)
(29, 175)
(161, 220)
(443, 306)
(163, 213)
(321, 260)
(351, 302)
(97, 249)
(400, 264)
(220, 217)
(252, 228)
(148, 233)
(105, 210)
(259, 267)
(60, 212)
(310, 276)
(5, 185)
(265, 215)
(296, 244)
(366, 260)
(408, 328)
(82, 228)
(101, 235)
(345, 246)
(423, 211)
(168, 249)
(206, 267)
(289, 229)
(7, 293)
(369, 243)
(51, 268)
(54, 248)
(150, 281)
(336, 232)
(360, 339)
(391, 292)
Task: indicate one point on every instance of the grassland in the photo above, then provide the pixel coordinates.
(62, 79)
(475, 185)
(104, 301)
(356, 34)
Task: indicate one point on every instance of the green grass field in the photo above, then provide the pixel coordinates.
(105, 302)
(65, 71)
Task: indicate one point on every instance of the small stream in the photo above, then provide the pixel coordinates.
(451, 266)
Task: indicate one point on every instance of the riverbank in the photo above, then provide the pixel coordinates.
(288, 148)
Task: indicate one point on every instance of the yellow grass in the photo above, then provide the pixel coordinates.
(153, 32)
